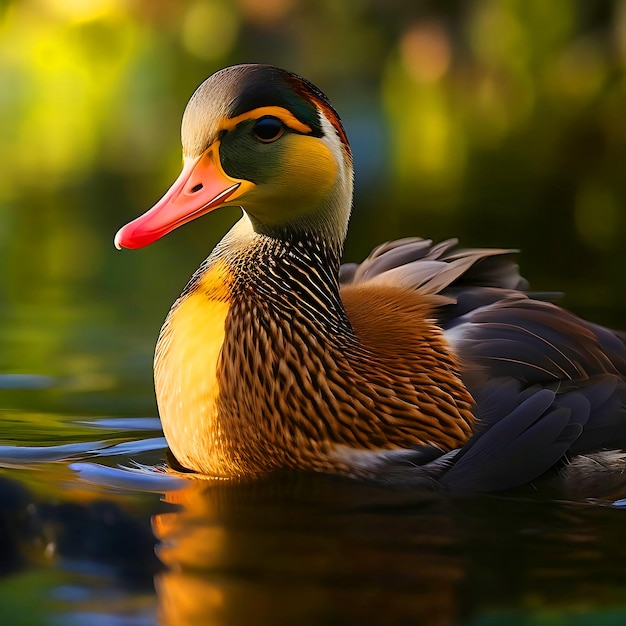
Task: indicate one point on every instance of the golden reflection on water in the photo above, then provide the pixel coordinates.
(285, 553)
(320, 550)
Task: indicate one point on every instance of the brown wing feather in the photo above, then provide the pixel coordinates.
(396, 327)
(387, 318)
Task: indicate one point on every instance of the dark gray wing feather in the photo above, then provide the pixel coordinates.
(435, 268)
(547, 384)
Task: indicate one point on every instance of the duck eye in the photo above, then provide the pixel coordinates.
(268, 129)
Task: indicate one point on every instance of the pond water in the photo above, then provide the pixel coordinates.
(93, 532)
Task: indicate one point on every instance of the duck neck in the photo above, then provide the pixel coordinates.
(291, 273)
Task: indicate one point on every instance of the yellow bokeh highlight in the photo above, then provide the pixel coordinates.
(209, 29)
(81, 10)
(428, 144)
(496, 33)
(59, 107)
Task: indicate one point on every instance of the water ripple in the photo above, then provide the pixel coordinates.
(141, 478)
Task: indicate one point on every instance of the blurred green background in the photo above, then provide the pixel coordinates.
(502, 122)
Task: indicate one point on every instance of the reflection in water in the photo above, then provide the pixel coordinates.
(76, 545)
(60, 560)
(302, 548)
(310, 549)
(71, 551)
(297, 549)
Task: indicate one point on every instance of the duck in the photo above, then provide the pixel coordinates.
(427, 365)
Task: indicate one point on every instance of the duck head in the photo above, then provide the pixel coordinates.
(266, 140)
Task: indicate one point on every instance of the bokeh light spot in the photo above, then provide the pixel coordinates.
(81, 10)
(425, 50)
(209, 29)
(267, 11)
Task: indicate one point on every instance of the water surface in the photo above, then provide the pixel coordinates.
(94, 532)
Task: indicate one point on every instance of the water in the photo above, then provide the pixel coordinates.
(93, 532)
